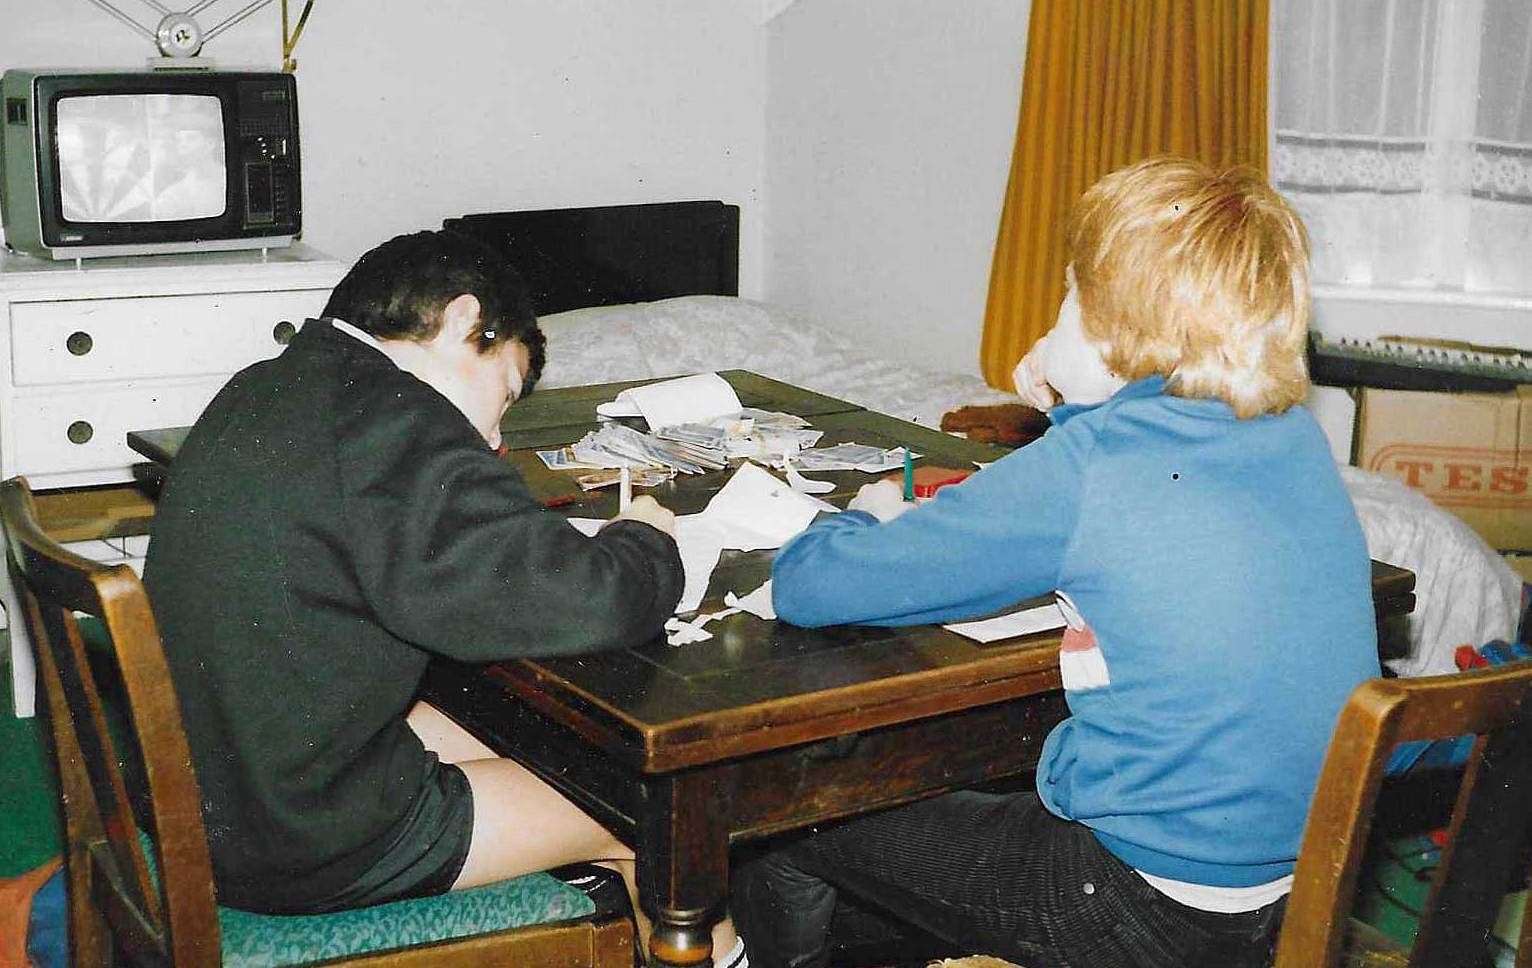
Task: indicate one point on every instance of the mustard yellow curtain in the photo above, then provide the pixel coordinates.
(1107, 83)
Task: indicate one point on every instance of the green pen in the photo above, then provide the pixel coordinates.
(909, 476)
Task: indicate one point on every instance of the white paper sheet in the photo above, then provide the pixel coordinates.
(1023, 622)
(753, 510)
(701, 542)
(756, 510)
(688, 399)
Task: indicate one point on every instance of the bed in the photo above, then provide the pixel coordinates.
(629, 292)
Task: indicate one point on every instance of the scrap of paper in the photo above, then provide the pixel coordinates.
(701, 543)
(803, 484)
(682, 632)
(1025, 621)
(757, 603)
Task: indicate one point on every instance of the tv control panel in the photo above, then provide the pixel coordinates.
(267, 140)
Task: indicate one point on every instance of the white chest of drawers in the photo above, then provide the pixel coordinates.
(88, 354)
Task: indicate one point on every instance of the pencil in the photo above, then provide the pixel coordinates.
(909, 476)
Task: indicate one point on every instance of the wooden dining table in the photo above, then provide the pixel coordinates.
(686, 752)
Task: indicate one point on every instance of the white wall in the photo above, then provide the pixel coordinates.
(414, 112)
(870, 171)
(889, 129)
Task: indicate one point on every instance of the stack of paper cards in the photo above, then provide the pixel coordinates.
(690, 448)
(701, 436)
(608, 477)
(616, 446)
(851, 457)
(767, 434)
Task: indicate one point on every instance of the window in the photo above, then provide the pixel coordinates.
(1403, 134)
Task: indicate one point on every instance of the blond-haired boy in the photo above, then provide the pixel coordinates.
(1188, 508)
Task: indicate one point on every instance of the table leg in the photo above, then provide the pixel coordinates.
(683, 866)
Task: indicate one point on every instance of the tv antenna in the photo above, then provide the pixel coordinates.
(179, 36)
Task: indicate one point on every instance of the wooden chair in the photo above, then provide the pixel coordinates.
(1488, 830)
(148, 896)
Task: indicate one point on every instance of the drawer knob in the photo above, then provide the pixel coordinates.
(283, 332)
(79, 342)
(80, 432)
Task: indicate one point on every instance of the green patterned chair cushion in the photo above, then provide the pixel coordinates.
(266, 940)
(253, 940)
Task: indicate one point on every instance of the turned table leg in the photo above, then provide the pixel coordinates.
(683, 866)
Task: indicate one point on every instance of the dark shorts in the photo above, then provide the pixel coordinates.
(428, 852)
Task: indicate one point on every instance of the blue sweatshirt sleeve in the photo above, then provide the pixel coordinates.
(980, 546)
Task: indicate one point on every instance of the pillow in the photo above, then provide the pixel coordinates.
(595, 345)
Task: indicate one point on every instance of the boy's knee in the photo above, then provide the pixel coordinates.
(782, 911)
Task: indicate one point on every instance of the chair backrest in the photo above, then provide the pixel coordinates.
(113, 899)
(1488, 829)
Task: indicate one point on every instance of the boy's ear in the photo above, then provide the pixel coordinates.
(460, 316)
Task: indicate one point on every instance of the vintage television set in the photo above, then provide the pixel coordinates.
(101, 163)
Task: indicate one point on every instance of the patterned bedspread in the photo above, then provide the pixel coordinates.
(692, 334)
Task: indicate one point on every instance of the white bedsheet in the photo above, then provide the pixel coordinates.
(1465, 593)
(694, 334)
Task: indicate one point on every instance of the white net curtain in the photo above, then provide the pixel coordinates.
(1404, 137)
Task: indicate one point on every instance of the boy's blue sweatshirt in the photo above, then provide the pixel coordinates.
(1221, 568)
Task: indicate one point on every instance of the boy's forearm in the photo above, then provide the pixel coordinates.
(964, 555)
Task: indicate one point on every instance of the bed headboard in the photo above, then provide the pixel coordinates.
(577, 257)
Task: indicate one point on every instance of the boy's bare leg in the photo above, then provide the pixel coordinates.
(521, 825)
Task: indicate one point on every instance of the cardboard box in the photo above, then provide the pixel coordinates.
(1468, 452)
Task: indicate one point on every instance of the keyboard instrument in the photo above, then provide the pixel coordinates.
(1408, 363)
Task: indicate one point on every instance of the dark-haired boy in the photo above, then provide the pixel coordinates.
(337, 516)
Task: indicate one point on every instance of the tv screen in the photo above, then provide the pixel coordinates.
(141, 157)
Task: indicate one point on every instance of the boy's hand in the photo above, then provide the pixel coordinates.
(883, 500)
(651, 512)
(1031, 382)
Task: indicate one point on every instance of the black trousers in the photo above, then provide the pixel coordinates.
(992, 874)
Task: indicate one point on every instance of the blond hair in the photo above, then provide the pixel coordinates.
(1198, 276)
